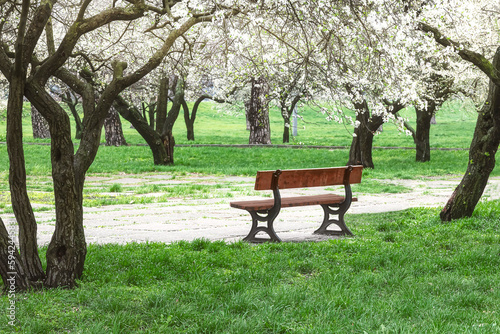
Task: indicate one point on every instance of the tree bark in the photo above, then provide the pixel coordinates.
(17, 171)
(482, 152)
(162, 104)
(286, 132)
(166, 134)
(258, 112)
(360, 152)
(152, 138)
(39, 125)
(113, 129)
(422, 134)
(12, 268)
(189, 120)
(67, 249)
(71, 101)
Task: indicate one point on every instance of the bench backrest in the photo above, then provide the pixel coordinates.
(305, 178)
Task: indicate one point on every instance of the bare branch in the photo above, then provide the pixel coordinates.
(81, 27)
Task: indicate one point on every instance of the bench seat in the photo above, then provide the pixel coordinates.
(288, 202)
(334, 206)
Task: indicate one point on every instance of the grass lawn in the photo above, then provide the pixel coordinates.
(403, 272)
(215, 125)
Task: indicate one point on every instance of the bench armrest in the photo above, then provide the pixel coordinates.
(276, 190)
(347, 187)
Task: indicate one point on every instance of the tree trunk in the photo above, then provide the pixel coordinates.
(11, 266)
(39, 125)
(360, 152)
(422, 140)
(286, 133)
(67, 249)
(17, 178)
(286, 113)
(113, 129)
(258, 113)
(362, 141)
(71, 101)
(189, 121)
(161, 145)
(167, 135)
(481, 156)
(152, 138)
(162, 104)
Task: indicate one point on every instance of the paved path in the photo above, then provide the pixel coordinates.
(188, 219)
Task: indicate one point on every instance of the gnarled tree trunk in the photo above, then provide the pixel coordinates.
(258, 112)
(362, 141)
(39, 125)
(161, 144)
(113, 130)
(67, 249)
(17, 170)
(360, 152)
(12, 271)
(481, 156)
(152, 138)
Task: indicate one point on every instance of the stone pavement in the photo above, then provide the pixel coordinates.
(214, 219)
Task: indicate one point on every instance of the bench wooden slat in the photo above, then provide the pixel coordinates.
(304, 178)
(287, 202)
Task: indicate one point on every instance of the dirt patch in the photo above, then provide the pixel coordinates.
(214, 219)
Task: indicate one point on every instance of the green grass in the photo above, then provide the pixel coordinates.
(454, 128)
(222, 161)
(397, 164)
(215, 125)
(404, 272)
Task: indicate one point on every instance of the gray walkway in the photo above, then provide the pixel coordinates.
(213, 219)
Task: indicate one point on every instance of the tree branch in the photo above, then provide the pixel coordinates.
(473, 57)
(81, 27)
(38, 24)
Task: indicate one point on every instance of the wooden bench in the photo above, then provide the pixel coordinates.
(267, 210)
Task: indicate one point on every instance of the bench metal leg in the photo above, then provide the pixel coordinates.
(336, 209)
(256, 218)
